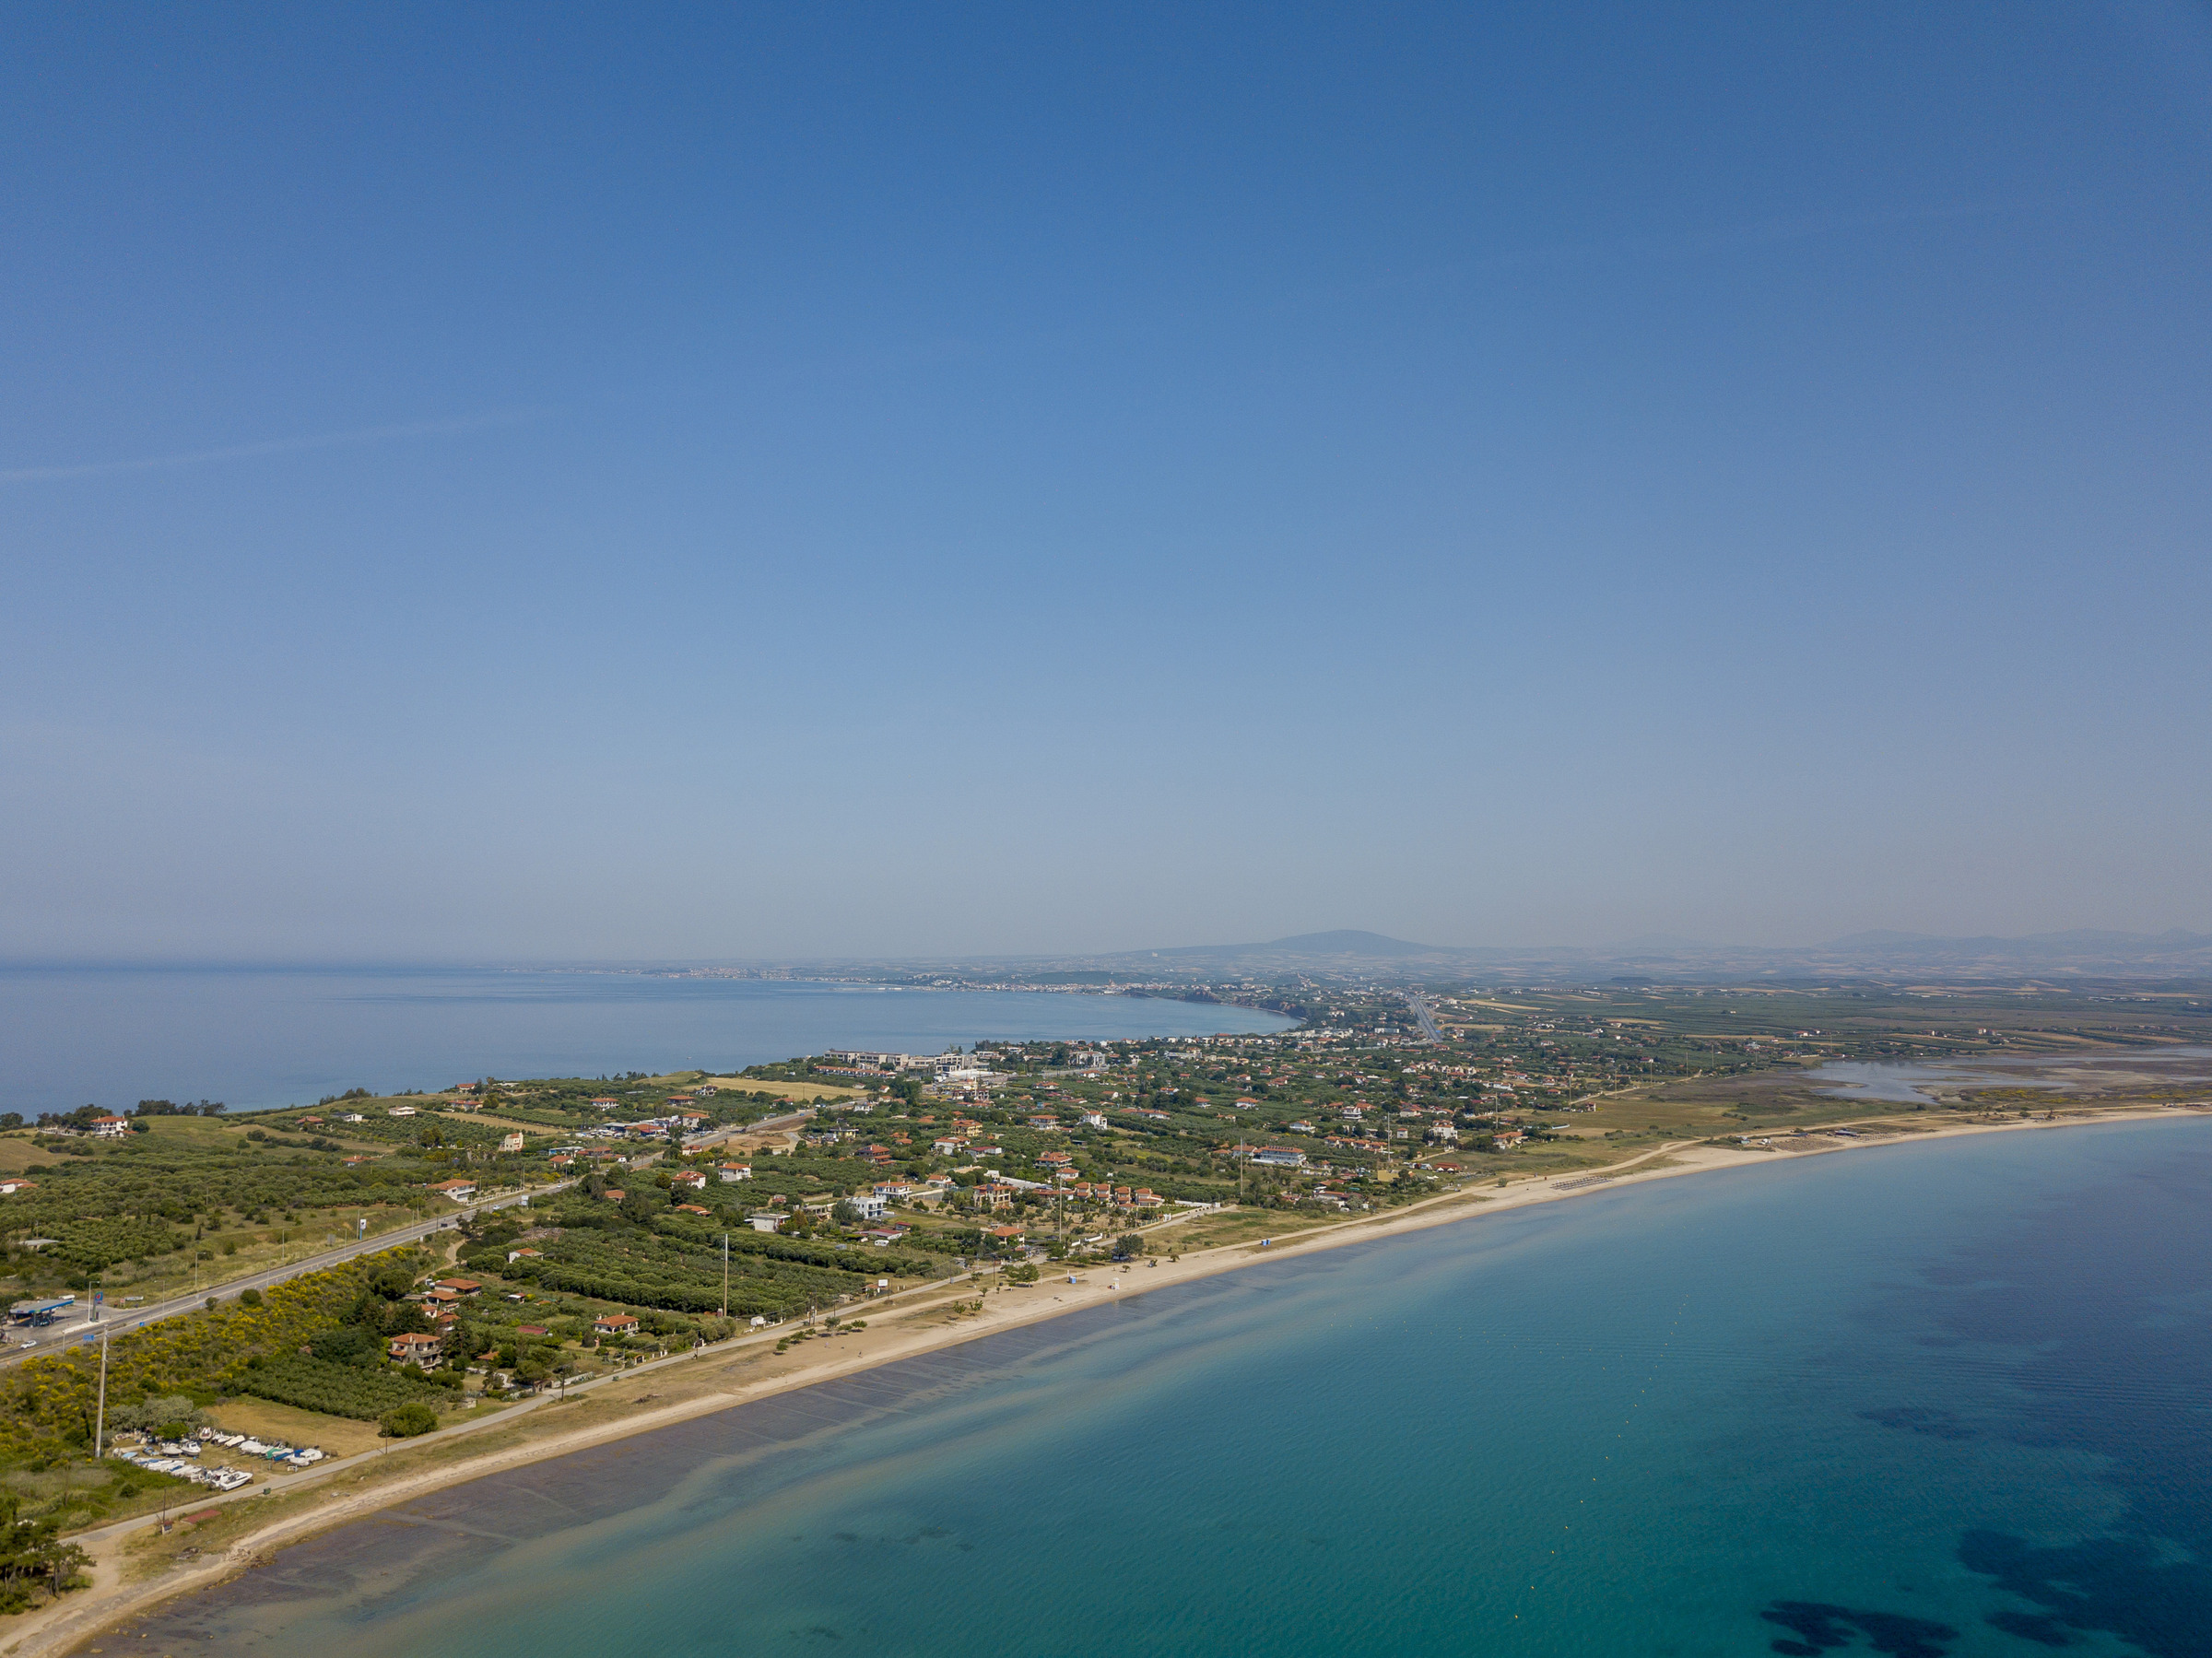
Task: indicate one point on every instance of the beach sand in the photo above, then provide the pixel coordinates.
(135, 1564)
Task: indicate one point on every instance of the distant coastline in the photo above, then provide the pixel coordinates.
(258, 1038)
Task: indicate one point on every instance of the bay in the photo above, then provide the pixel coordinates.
(282, 1036)
(1939, 1398)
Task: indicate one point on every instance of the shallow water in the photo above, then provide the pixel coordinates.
(253, 1038)
(1917, 1082)
(1947, 1398)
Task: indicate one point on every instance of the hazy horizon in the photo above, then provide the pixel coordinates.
(746, 485)
(1168, 954)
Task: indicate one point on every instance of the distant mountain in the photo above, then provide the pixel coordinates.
(1343, 942)
(1347, 941)
(1355, 953)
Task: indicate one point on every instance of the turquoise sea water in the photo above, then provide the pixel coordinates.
(1948, 1398)
(287, 1036)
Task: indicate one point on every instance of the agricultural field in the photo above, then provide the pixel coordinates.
(186, 1204)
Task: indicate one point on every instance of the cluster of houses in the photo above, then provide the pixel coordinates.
(107, 1127)
(442, 1301)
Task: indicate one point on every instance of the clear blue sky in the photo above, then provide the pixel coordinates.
(630, 481)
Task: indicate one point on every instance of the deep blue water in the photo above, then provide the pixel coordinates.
(1947, 1398)
(255, 1038)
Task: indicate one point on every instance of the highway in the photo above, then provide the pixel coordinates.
(29, 1344)
(1421, 1014)
(26, 1343)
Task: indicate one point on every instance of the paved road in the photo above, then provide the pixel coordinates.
(119, 1319)
(1421, 1014)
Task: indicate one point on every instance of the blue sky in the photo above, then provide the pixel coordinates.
(482, 482)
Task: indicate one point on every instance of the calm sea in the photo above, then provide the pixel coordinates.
(112, 1037)
(1949, 1398)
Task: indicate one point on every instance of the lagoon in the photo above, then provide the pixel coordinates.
(283, 1036)
(1945, 1398)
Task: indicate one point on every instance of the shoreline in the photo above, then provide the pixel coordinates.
(741, 1371)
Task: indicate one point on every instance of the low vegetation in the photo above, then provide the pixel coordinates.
(363, 1392)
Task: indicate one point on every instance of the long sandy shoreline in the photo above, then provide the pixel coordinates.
(891, 1335)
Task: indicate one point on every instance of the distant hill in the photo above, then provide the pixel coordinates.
(2077, 953)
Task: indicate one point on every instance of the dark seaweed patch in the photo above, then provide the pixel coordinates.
(1820, 1627)
(2117, 1585)
(1935, 1424)
(2039, 1627)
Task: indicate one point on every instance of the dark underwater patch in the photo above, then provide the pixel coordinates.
(1820, 1627)
(1935, 1424)
(2039, 1627)
(2119, 1585)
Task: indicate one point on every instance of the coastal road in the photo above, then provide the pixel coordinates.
(117, 1320)
(1423, 1018)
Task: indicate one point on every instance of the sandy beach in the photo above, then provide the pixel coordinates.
(136, 1564)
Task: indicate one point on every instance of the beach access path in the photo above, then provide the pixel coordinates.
(131, 1569)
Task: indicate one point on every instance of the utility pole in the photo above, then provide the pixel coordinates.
(100, 1420)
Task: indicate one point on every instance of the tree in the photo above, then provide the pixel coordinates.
(31, 1552)
(845, 1212)
(459, 1345)
(1129, 1243)
(408, 1420)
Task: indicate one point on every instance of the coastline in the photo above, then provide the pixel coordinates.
(745, 1369)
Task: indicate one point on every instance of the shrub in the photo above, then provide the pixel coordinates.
(349, 1344)
(171, 1416)
(54, 1396)
(408, 1420)
(249, 1297)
